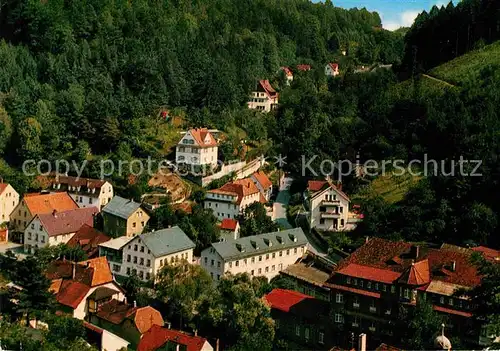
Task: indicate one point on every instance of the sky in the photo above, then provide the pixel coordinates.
(394, 13)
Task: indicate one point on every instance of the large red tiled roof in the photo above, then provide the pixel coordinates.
(57, 223)
(263, 180)
(287, 71)
(200, 134)
(88, 239)
(488, 253)
(397, 256)
(157, 336)
(71, 293)
(417, 274)
(46, 203)
(239, 188)
(316, 185)
(354, 290)
(451, 311)
(369, 273)
(229, 224)
(304, 67)
(116, 312)
(268, 88)
(284, 300)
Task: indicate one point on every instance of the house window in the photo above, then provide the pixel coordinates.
(253, 260)
(273, 268)
(274, 255)
(321, 221)
(141, 274)
(32, 226)
(142, 261)
(281, 253)
(128, 258)
(253, 272)
(230, 264)
(135, 247)
(148, 263)
(369, 285)
(135, 259)
(148, 275)
(267, 256)
(441, 300)
(90, 200)
(355, 281)
(306, 333)
(361, 283)
(260, 270)
(237, 263)
(267, 269)
(339, 318)
(384, 287)
(407, 293)
(393, 289)
(376, 286)
(295, 250)
(321, 337)
(128, 270)
(288, 252)
(206, 260)
(297, 330)
(212, 262)
(218, 264)
(142, 248)
(43, 239)
(133, 225)
(339, 298)
(260, 258)
(116, 268)
(348, 280)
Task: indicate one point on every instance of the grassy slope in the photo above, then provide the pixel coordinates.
(391, 187)
(468, 66)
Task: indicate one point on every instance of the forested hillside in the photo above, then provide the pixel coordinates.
(450, 31)
(87, 72)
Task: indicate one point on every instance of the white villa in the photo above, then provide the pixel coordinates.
(258, 255)
(264, 98)
(197, 147)
(332, 69)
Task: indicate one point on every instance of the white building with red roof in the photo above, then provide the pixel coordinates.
(230, 229)
(197, 147)
(328, 206)
(332, 69)
(158, 338)
(230, 200)
(47, 229)
(9, 198)
(288, 74)
(264, 98)
(263, 183)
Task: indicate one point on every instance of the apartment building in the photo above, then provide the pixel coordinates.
(230, 200)
(264, 98)
(85, 191)
(371, 286)
(50, 229)
(328, 206)
(146, 254)
(258, 255)
(197, 147)
(9, 198)
(124, 217)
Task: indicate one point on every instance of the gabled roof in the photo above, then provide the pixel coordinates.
(229, 224)
(58, 223)
(87, 186)
(370, 273)
(71, 293)
(166, 241)
(260, 244)
(317, 187)
(157, 336)
(268, 88)
(333, 65)
(239, 188)
(101, 272)
(303, 67)
(88, 239)
(417, 274)
(488, 253)
(262, 179)
(287, 71)
(143, 318)
(120, 207)
(200, 135)
(294, 302)
(46, 203)
(4, 186)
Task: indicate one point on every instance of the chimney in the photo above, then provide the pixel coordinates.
(453, 266)
(169, 325)
(416, 248)
(74, 270)
(54, 213)
(135, 303)
(367, 238)
(196, 332)
(362, 342)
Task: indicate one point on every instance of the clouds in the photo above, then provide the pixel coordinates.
(405, 19)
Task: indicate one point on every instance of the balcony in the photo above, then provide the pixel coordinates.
(373, 309)
(330, 202)
(330, 214)
(355, 305)
(387, 312)
(372, 329)
(355, 324)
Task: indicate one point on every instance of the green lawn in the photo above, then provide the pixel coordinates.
(468, 67)
(390, 186)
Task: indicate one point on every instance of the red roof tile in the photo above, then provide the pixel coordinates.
(304, 67)
(46, 203)
(287, 71)
(284, 300)
(3, 186)
(101, 272)
(316, 185)
(239, 188)
(200, 135)
(71, 293)
(354, 290)
(92, 327)
(370, 273)
(488, 253)
(262, 179)
(229, 224)
(450, 311)
(57, 223)
(417, 274)
(88, 239)
(271, 93)
(157, 336)
(116, 312)
(334, 66)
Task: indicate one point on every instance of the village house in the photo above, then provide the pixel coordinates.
(9, 199)
(264, 98)
(197, 147)
(158, 338)
(371, 286)
(88, 239)
(301, 319)
(263, 183)
(113, 251)
(124, 217)
(85, 191)
(146, 254)
(230, 200)
(79, 286)
(328, 206)
(303, 67)
(103, 339)
(332, 69)
(258, 255)
(125, 320)
(56, 228)
(288, 74)
(33, 204)
(229, 229)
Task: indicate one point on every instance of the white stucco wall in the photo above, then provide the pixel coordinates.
(112, 342)
(8, 202)
(261, 101)
(81, 309)
(339, 201)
